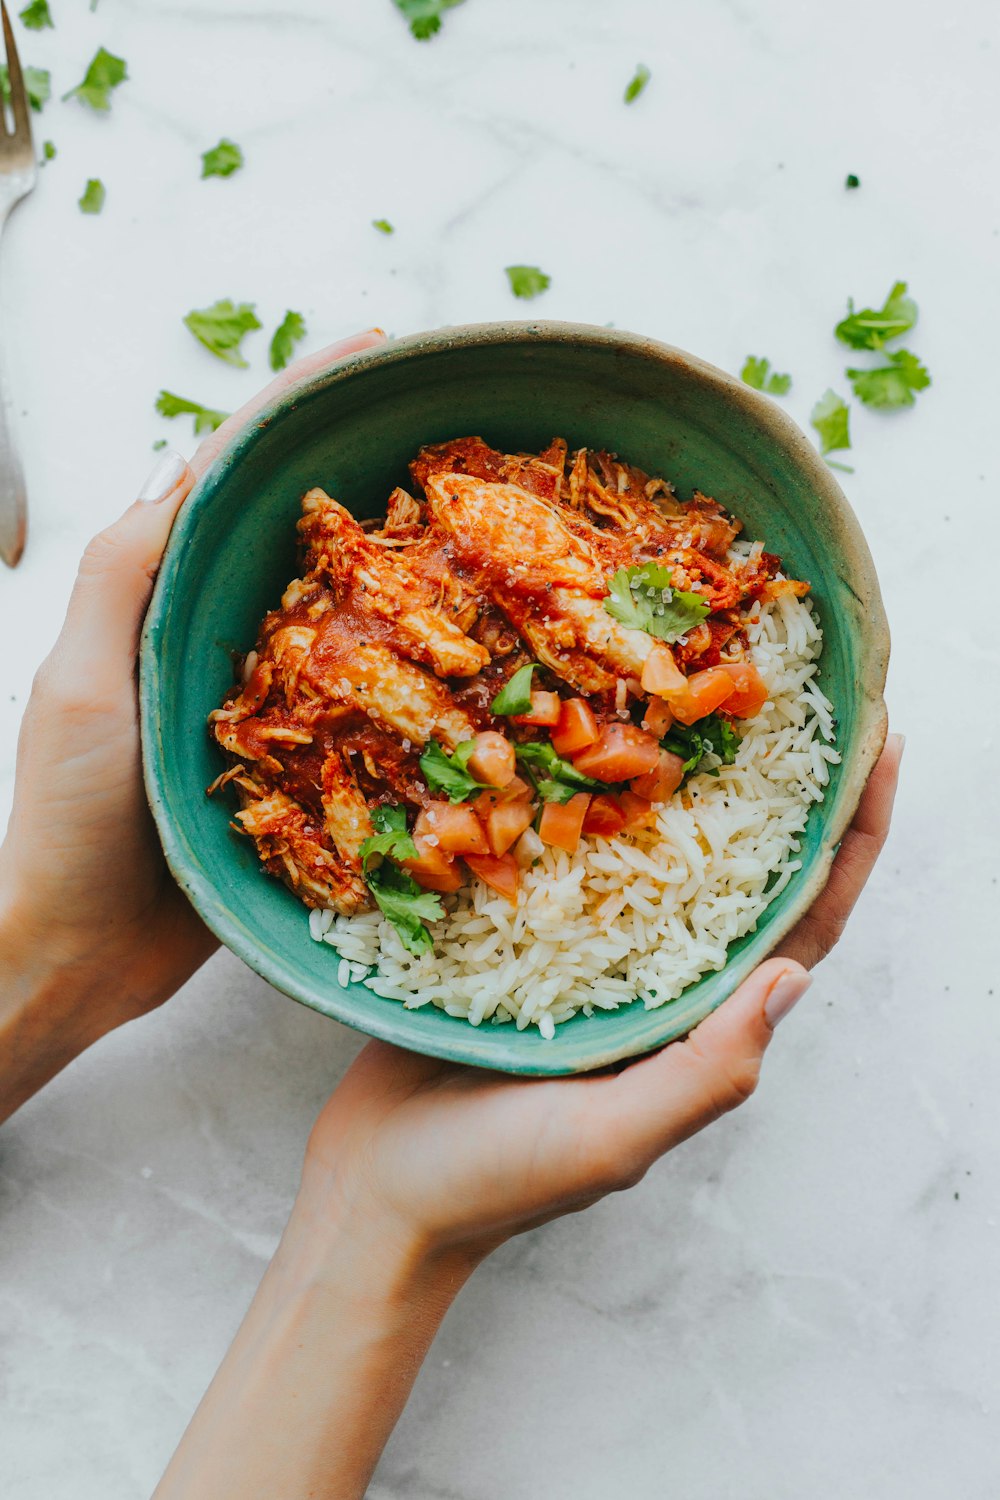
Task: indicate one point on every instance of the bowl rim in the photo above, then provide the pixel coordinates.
(870, 734)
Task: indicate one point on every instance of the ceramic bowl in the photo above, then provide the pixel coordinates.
(352, 430)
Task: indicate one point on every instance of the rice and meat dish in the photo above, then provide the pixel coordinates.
(542, 740)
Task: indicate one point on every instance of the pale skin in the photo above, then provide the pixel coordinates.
(416, 1169)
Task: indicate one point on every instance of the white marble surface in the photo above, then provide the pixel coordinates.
(804, 1301)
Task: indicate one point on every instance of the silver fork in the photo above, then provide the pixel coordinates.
(17, 177)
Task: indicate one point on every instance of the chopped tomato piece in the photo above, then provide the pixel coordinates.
(561, 823)
(703, 692)
(637, 810)
(516, 790)
(577, 727)
(432, 868)
(659, 717)
(749, 692)
(660, 673)
(663, 780)
(455, 829)
(544, 709)
(492, 760)
(500, 874)
(505, 824)
(621, 752)
(604, 816)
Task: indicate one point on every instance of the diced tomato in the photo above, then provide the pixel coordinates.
(516, 790)
(577, 727)
(456, 829)
(621, 752)
(703, 692)
(432, 868)
(660, 673)
(637, 810)
(492, 760)
(561, 823)
(663, 780)
(500, 874)
(544, 709)
(659, 717)
(505, 824)
(604, 816)
(749, 692)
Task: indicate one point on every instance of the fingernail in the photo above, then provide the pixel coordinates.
(166, 475)
(789, 987)
(380, 331)
(900, 741)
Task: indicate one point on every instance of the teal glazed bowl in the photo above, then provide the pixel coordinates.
(351, 430)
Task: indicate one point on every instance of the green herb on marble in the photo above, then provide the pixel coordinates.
(37, 15)
(105, 74)
(872, 328)
(637, 83)
(757, 372)
(424, 16)
(383, 226)
(93, 197)
(290, 330)
(527, 281)
(221, 328)
(851, 181)
(205, 419)
(222, 160)
(37, 86)
(48, 152)
(831, 419)
(891, 386)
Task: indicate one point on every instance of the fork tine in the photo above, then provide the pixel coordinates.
(18, 93)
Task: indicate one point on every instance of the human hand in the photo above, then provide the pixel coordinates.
(454, 1158)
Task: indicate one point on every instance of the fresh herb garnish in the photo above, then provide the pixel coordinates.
(205, 419)
(405, 904)
(852, 181)
(872, 327)
(527, 281)
(424, 16)
(555, 791)
(36, 16)
(383, 226)
(222, 160)
(831, 417)
(105, 73)
(160, 443)
(892, 385)
(515, 695)
(48, 151)
(758, 373)
(692, 743)
(637, 83)
(290, 330)
(221, 328)
(447, 773)
(390, 838)
(37, 86)
(93, 197)
(643, 598)
(539, 755)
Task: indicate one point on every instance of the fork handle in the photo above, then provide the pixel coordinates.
(13, 495)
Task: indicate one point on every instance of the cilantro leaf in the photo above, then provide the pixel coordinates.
(555, 791)
(642, 598)
(852, 180)
(424, 16)
(710, 736)
(637, 83)
(289, 331)
(160, 443)
(405, 904)
(447, 773)
(48, 151)
(36, 16)
(515, 695)
(390, 838)
(831, 417)
(205, 419)
(105, 73)
(540, 755)
(222, 160)
(37, 86)
(221, 328)
(383, 226)
(871, 328)
(758, 374)
(93, 196)
(893, 385)
(527, 281)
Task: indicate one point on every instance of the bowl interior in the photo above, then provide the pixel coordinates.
(352, 431)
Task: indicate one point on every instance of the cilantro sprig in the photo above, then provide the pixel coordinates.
(221, 160)
(221, 328)
(104, 74)
(205, 419)
(448, 773)
(37, 86)
(637, 83)
(383, 226)
(872, 327)
(710, 736)
(643, 598)
(36, 16)
(892, 385)
(757, 373)
(515, 695)
(831, 418)
(94, 194)
(399, 897)
(390, 838)
(527, 281)
(424, 16)
(288, 333)
(560, 778)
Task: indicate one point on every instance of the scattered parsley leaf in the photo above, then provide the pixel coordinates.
(831, 419)
(221, 328)
(205, 419)
(637, 83)
(527, 281)
(642, 598)
(710, 736)
(424, 16)
(93, 196)
(390, 838)
(872, 327)
(222, 160)
(758, 374)
(105, 73)
(851, 181)
(37, 86)
(383, 226)
(515, 695)
(539, 755)
(160, 443)
(37, 16)
(891, 386)
(48, 151)
(447, 773)
(289, 331)
(407, 907)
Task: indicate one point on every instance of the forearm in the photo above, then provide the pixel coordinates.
(321, 1368)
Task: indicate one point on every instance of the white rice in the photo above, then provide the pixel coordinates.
(630, 918)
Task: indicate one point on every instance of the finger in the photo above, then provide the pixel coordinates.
(660, 1101)
(311, 364)
(823, 925)
(98, 641)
